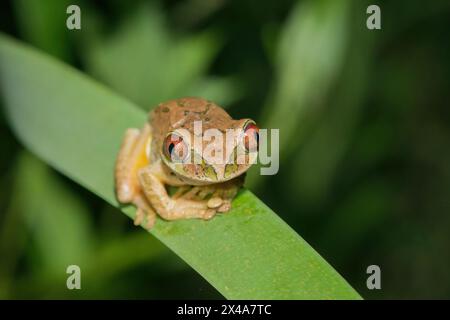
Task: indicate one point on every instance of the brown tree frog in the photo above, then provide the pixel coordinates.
(168, 151)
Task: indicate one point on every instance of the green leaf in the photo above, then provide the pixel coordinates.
(76, 126)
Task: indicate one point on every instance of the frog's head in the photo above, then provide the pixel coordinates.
(216, 155)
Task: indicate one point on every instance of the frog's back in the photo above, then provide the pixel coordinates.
(182, 113)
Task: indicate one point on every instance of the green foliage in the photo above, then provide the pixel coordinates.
(75, 125)
(58, 220)
(146, 63)
(41, 25)
(310, 55)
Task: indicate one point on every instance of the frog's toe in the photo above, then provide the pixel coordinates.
(144, 213)
(151, 219)
(215, 202)
(148, 217)
(139, 216)
(225, 206)
(209, 213)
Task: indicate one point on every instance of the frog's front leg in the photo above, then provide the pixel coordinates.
(131, 158)
(170, 208)
(220, 195)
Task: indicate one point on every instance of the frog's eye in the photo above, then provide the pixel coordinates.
(175, 149)
(251, 136)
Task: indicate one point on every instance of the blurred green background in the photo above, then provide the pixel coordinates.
(364, 135)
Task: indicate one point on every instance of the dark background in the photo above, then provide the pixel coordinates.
(364, 127)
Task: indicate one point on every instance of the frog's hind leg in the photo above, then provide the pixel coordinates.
(125, 188)
(133, 156)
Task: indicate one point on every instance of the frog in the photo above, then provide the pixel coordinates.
(153, 159)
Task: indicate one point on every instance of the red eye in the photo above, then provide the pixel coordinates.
(251, 137)
(175, 149)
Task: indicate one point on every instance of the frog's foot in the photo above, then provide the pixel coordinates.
(144, 214)
(218, 196)
(181, 209)
(167, 207)
(131, 157)
(226, 197)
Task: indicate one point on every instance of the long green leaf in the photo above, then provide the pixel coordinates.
(76, 126)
